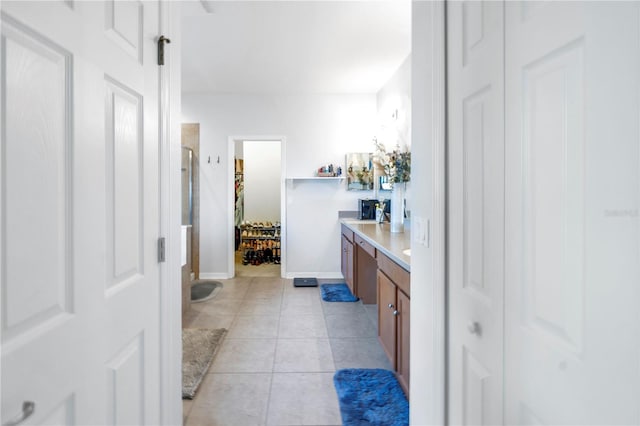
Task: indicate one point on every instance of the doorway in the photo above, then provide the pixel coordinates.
(257, 207)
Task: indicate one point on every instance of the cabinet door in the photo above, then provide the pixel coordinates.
(402, 330)
(347, 263)
(386, 318)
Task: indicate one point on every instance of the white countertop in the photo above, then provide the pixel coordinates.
(380, 236)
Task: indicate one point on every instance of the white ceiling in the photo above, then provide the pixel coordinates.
(293, 47)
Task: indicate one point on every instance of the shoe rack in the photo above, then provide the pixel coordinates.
(260, 242)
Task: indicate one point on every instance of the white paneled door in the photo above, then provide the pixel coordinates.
(544, 233)
(476, 211)
(572, 343)
(80, 212)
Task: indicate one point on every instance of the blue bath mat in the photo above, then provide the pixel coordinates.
(370, 397)
(337, 293)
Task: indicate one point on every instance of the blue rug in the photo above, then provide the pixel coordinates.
(370, 397)
(337, 293)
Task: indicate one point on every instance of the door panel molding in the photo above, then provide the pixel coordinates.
(36, 155)
(125, 373)
(553, 255)
(124, 26)
(125, 184)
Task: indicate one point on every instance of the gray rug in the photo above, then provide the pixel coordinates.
(199, 346)
(203, 290)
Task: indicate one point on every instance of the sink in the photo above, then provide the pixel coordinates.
(407, 252)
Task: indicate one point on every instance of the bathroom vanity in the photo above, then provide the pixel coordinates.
(376, 267)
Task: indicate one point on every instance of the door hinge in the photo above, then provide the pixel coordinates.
(161, 250)
(161, 42)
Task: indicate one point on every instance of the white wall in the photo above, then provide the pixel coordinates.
(394, 116)
(261, 181)
(428, 371)
(395, 95)
(319, 129)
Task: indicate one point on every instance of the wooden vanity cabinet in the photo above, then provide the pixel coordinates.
(358, 265)
(402, 340)
(387, 295)
(365, 270)
(347, 258)
(394, 312)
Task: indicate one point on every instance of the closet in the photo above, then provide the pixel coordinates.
(258, 202)
(543, 175)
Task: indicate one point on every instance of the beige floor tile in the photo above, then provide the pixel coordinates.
(264, 282)
(276, 365)
(189, 317)
(245, 356)
(231, 400)
(303, 355)
(274, 296)
(302, 326)
(293, 309)
(359, 353)
(334, 308)
(254, 326)
(350, 325)
(372, 312)
(269, 306)
(187, 405)
(303, 399)
(207, 320)
(218, 306)
(302, 295)
(233, 289)
(301, 302)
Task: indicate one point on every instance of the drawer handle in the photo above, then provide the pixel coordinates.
(396, 313)
(390, 306)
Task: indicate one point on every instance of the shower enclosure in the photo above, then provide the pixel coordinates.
(187, 177)
(187, 186)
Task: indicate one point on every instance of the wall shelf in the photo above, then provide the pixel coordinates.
(333, 178)
(292, 181)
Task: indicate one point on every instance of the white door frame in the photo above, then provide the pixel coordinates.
(231, 150)
(428, 127)
(170, 219)
(438, 373)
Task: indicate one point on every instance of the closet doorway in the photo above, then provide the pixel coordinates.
(257, 207)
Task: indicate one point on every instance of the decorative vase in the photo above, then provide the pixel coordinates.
(397, 207)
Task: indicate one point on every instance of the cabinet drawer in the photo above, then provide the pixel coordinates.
(395, 272)
(365, 246)
(348, 233)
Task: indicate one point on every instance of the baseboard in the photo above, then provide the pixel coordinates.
(290, 275)
(214, 276)
(319, 275)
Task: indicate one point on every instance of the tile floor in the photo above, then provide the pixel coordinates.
(276, 364)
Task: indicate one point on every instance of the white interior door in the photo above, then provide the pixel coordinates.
(572, 263)
(80, 216)
(475, 211)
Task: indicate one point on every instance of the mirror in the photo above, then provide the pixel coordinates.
(359, 171)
